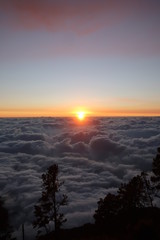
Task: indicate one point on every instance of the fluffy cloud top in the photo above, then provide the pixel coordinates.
(93, 160)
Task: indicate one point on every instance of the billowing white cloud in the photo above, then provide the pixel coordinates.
(93, 160)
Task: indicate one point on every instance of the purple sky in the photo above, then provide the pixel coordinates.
(56, 56)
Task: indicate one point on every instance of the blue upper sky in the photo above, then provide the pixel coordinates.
(56, 56)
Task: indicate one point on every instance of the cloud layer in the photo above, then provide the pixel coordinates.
(93, 159)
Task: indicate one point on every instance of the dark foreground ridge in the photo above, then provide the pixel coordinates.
(139, 224)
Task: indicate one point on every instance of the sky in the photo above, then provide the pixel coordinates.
(99, 56)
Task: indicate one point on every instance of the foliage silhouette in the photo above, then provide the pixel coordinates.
(5, 228)
(136, 193)
(108, 208)
(118, 210)
(156, 172)
(47, 209)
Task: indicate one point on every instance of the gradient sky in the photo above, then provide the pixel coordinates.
(57, 56)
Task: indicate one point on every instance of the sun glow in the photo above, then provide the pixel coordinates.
(81, 115)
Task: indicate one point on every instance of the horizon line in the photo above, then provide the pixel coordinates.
(72, 112)
(94, 116)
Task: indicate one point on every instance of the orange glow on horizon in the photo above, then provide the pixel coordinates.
(81, 114)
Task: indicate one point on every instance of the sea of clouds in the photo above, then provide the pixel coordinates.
(94, 157)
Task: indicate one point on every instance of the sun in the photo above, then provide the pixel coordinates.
(81, 115)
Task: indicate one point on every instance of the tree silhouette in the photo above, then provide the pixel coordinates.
(149, 190)
(47, 209)
(156, 171)
(135, 194)
(108, 208)
(5, 228)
